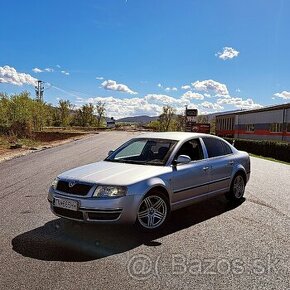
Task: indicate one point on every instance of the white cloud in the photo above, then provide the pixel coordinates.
(211, 85)
(238, 90)
(114, 86)
(58, 66)
(48, 69)
(10, 75)
(127, 107)
(165, 100)
(65, 72)
(227, 53)
(159, 86)
(211, 106)
(168, 89)
(283, 95)
(99, 78)
(150, 104)
(189, 95)
(239, 103)
(185, 87)
(37, 70)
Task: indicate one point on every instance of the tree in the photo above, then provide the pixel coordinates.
(20, 114)
(154, 125)
(202, 119)
(4, 110)
(100, 108)
(64, 109)
(177, 123)
(85, 116)
(165, 119)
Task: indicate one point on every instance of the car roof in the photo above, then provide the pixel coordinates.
(178, 136)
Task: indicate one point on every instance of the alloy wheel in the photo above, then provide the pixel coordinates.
(239, 187)
(152, 212)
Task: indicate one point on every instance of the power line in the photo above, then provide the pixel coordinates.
(71, 92)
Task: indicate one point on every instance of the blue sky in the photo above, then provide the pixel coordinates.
(225, 54)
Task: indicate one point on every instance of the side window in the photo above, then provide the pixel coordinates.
(216, 147)
(227, 148)
(192, 149)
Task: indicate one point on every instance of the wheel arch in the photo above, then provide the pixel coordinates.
(240, 171)
(160, 189)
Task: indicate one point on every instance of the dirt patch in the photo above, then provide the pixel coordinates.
(56, 136)
(6, 154)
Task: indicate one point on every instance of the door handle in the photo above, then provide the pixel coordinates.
(231, 162)
(205, 168)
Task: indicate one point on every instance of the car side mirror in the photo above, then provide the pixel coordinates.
(182, 159)
(110, 152)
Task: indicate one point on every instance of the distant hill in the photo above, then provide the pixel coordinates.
(137, 119)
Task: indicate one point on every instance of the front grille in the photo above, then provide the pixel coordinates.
(78, 188)
(68, 213)
(104, 215)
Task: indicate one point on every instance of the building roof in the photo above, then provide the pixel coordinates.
(269, 108)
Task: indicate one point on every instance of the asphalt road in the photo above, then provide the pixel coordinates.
(210, 245)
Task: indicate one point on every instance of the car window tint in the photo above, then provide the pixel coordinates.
(133, 149)
(227, 148)
(144, 151)
(216, 147)
(192, 149)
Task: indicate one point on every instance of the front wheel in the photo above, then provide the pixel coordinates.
(153, 212)
(237, 190)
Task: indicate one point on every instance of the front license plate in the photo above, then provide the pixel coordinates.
(66, 203)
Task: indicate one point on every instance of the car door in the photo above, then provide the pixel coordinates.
(190, 180)
(221, 161)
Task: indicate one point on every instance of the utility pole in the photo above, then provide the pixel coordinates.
(39, 89)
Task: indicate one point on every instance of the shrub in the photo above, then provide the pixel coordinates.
(21, 129)
(273, 149)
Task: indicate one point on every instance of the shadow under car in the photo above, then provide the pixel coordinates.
(65, 240)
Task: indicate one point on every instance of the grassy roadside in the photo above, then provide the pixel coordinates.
(6, 142)
(39, 139)
(12, 147)
(269, 158)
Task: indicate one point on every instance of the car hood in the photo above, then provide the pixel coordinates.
(113, 173)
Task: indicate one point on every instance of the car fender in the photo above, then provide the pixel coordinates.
(237, 168)
(145, 186)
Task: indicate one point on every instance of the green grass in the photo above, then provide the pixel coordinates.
(269, 158)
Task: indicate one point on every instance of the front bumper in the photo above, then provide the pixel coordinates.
(95, 210)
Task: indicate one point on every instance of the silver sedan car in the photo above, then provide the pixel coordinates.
(150, 176)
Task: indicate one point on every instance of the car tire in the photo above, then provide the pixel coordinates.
(237, 189)
(153, 212)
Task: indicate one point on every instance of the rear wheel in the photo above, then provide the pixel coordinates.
(237, 190)
(153, 212)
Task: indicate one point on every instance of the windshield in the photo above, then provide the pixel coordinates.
(143, 151)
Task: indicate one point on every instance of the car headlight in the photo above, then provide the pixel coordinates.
(110, 191)
(54, 183)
